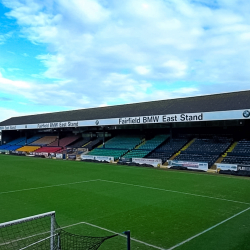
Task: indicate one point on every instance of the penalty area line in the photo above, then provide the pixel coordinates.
(210, 228)
(110, 231)
(174, 191)
(57, 185)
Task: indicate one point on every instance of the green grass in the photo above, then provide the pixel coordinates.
(161, 208)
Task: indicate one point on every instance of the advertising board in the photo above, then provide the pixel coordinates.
(104, 158)
(154, 162)
(87, 157)
(190, 165)
(97, 158)
(59, 156)
(224, 166)
(71, 157)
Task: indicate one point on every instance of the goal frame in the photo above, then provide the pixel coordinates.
(51, 214)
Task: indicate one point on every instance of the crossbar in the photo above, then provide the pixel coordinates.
(30, 218)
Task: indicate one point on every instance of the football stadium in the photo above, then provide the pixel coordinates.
(168, 174)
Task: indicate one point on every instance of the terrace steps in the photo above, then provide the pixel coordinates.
(230, 149)
(143, 142)
(182, 149)
(85, 144)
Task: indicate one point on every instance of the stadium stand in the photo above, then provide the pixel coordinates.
(44, 141)
(28, 149)
(147, 147)
(92, 144)
(64, 141)
(48, 150)
(117, 146)
(28, 141)
(17, 141)
(32, 139)
(79, 143)
(4, 146)
(205, 150)
(13, 147)
(124, 142)
(169, 148)
(116, 153)
(240, 154)
(194, 117)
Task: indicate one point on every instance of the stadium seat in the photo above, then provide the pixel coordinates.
(117, 146)
(63, 142)
(240, 154)
(147, 147)
(28, 148)
(48, 149)
(205, 150)
(165, 151)
(44, 141)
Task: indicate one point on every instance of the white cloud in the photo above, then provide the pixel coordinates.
(10, 85)
(5, 37)
(102, 52)
(142, 70)
(179, 68)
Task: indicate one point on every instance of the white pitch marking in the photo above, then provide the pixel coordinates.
(105, 229)
(210, 228)
(173, 191)
(58, 185)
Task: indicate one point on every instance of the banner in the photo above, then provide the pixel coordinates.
(87, 157)
(4, 151)
(104, 158)
(165, 118)
(125, 160)
(42, 153)
(153, 162)
(97, 158)
(244, 167)
(59, 156)
(190, 165)
(71, 157)
(224, 166)
(82, 151)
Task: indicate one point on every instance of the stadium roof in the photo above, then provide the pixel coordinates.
(208, 103)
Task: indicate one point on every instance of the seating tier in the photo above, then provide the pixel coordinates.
(117, 146)
(64, 141)
(240, 154)
(165, 151)
(48, 150)
(147, 147)
(28, 148)
(44, 141)
(79, 143)
(205, 150)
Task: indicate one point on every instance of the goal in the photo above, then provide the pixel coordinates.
(34, 232)
(41, 232)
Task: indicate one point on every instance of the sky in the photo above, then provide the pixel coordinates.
(58, 55)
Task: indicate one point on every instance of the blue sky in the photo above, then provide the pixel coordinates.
(63, 55)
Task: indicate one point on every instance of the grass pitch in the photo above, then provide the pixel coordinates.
(162, 209)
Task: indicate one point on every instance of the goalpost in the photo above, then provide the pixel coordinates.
(41, 232)
(34, 232)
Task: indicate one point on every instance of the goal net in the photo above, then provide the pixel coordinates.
(41, 232)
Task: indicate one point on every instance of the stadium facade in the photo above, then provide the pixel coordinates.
(216, 112)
